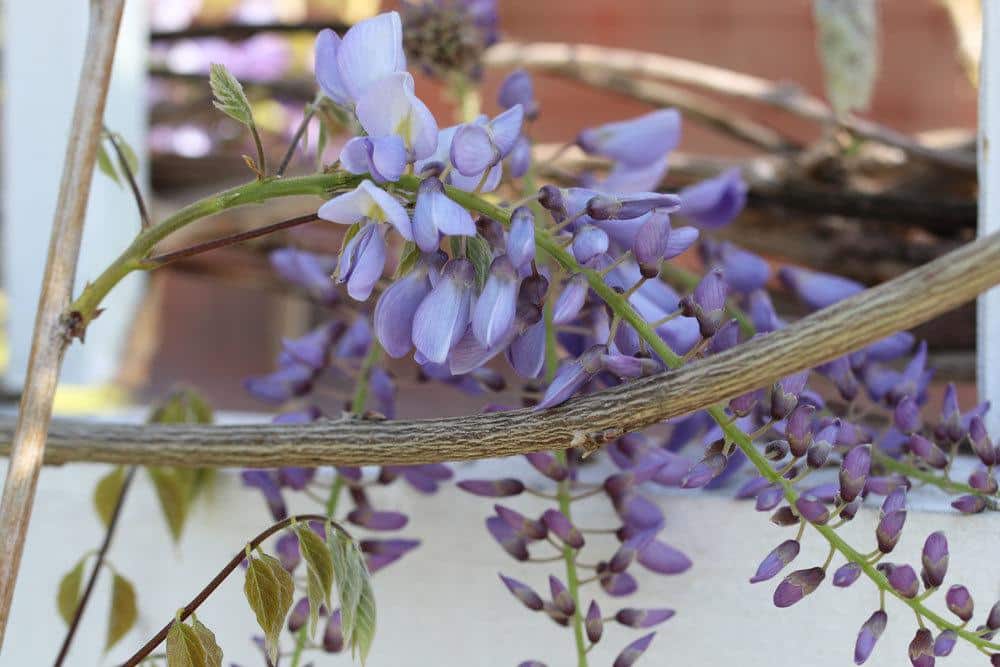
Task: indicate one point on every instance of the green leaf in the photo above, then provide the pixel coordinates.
(124, 610)
(107, 492)
(365, 617)
(68, 597)
(229, 96)
(269, 589)
(174, 495)
(185, 406)
(319, 572)
(185, 647)
(131, 159)
(348, 585)
(848, 45)
(105, 164)
(477, 250)
(213, 652)
(407, 259)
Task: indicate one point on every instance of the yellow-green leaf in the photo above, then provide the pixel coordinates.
(229, 96)
(477, 249)
(213, 652)
(407, 259)
(107, 492)
(105, 164)
(269, 589)
(185, 648)
(131, 160)
(124, 610)
(174, 498)
(365, 616)
(184, 406)
(348, 584)
(68, 597)
(319, 572)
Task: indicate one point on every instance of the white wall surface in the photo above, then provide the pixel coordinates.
(989, 205)
(42, 50)
(443, 605)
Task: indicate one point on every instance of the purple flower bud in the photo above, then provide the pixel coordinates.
(637, 142)
(333, 634)
(561, 527)
(752, 486)
(904, 580)
(517, 88)
(935, 560)
(526, 352)
(775, 561)
(854, 472)
(629, 207)
(492, 488)
(868, 635)
(633, 651)
(618, 585)
(294, 477)
(508, 538)
(521, 239)
(784, 516)
(982, 479)
(890, 527)
(643, 618)
(662, 558)
(570, 300)
(571, 376)
(376, 520)
(812, 510)
(594, 623)
(970, 504)
(715, 202)
(894, 501)
(981, 443)
(945, 643)
(522, 592)
(993, 618)
(561, 598)
(652, 241)
(282, 384)
(798, 428)
(818, 454)
(927, 451)
(638, 511)
(745, 271)
(922, 649)
(785, 394)
(267, 483)
(743, 405)
(846, 575)
(959, 602)
(906, 416)
(818, 290)
(307, 270)
(299, 615)
(850, 510)
(396, 548)
(589, 242)
(884, 486)
(626, 553)
(443, 315)
(708, 303)
(527, 528)
(769, 498)
(704, 471)
(797, 585)
(551, 199)
(679, 240)
(547, 464)
(287, 548)
(384, 158)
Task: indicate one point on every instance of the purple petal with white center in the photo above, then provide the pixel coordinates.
(636, 142)
(473, 151)
(714, 202)
(390, 107)
(367, 201)
(370, 51)
(326, 66)
(362, 262)
(443, 315)
(436, 213)
(526, 352)
(382, 157)
(396, 309)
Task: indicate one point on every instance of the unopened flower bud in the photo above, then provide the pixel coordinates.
(846, 575)
(818, 454)
(935, 560)
(784, 516)
(906, 416)
(869, 635)
(812, 509)
(928, 451)
(945, 643)
(561, 597)
(776, 450)
(775, 561)
(797, 585)
(798, 429)
(902, 578)
(643, 618)
(922, 649)
(594, 623)
(959, 602)
(854, 472)
(522, 592)
(970, 504)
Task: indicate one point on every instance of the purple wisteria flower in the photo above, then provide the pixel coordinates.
(371, 50)
(714, 202)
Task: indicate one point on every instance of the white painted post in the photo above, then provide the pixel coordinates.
(989, 207)
(43, 48)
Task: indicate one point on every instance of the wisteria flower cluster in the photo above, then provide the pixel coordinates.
(490, 265)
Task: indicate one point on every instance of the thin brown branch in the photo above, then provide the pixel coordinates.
(51, 334)
(226, 570)
(310, 111)
(96, 569)
(197, 249)
(565, 59)
(235, 31)
(130, 177)
(587, 421)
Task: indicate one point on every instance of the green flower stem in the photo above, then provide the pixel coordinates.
(564, 495)
(928, 477)
(621, 307)
(87, 304)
